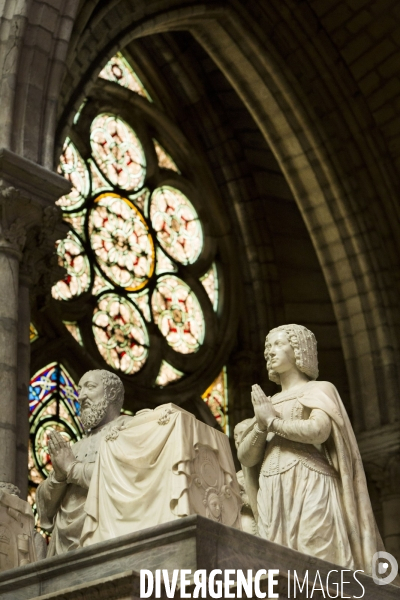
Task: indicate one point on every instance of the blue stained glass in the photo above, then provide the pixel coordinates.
(53, 404)
(53, 379)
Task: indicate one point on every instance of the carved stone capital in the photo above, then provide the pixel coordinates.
(39, 266)
(30, 222)
(13, 229)
(29, 218)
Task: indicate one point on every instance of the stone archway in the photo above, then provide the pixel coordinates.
(351, 253)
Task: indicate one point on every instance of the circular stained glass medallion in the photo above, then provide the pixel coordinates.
(120, 333)
(72, 256)
(178, 314)
(177, 224)
(121, 242)
(118, 152)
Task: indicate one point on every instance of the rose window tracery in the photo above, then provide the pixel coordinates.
(135, 235)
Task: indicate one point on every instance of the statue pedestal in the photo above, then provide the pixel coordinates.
(110, 569)
(16, 532)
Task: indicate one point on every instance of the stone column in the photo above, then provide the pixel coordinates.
(10, 254)
(23, 379)
(29, 225)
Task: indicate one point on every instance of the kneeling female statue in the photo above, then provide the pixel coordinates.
(312, 494)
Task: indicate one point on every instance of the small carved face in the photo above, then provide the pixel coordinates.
(279, 353)
(92, 399)
(214, 506)
(91, 389)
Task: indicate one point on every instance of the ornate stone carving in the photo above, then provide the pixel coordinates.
(165, 417)
(9, 488)
(210, 493)
(13, 229)
(31, 228)
(40, 263)
(16, 532)
(16, 234)
(112, 435)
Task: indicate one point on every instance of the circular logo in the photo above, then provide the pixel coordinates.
(381, 567)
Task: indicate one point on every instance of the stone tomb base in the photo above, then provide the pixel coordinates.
(110, 570)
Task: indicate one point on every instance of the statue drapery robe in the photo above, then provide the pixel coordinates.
(307, 484)
(61, 504)
(165, 464)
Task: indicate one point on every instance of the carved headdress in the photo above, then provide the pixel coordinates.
(304, 345)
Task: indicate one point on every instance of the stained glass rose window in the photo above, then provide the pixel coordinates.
(137, 269)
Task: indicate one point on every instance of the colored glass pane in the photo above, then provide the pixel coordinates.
(74, 330)
(128, 413)
(77, 222)
(167, 374)
(99, 283)
(99, 184)
(216, 398)
(141, 299)
(33, 333)
(118, 152)
(79, 112)
(178, 315)
(210, 283)
(73, 257)
(121, 242)
(177, 225)
(49, 381)
(164, 264)
(53, 404)
(73, 168)
(120, 333)
(120, 71)
(141, 200)
(164, 159)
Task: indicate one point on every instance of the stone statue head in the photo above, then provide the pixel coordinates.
(239, 430)
(304, 347)
(101, 393)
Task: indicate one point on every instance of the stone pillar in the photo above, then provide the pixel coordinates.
(10, 255)
(29, 225)
(23, 379)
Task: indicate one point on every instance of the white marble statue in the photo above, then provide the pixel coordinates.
(312, 494)
(61, 497)
(163, 465)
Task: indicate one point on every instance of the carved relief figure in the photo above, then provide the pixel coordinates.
(213, 505)
(213, 493)
(61, 497)
(312, 494)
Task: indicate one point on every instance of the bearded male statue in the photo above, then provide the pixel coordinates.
(61, 497)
